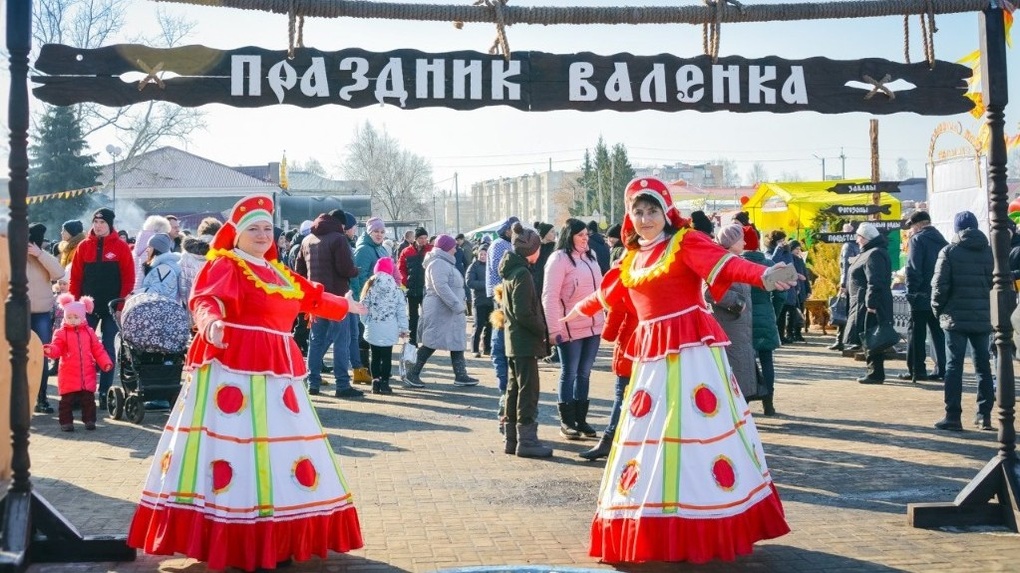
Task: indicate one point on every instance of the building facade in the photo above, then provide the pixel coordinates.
(542, 196)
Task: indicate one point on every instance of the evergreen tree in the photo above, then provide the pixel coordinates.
(59, 162)
(604, 175)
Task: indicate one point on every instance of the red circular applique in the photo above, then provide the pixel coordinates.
(640, 403)
(164, 462)
(222, 475)
(628, 477)
(229, 399)
(705, 400)
(305, 474)
(290, 400)
(724, 473)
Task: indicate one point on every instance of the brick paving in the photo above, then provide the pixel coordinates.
(434, 490)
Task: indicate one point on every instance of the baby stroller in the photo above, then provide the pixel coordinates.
(154, 335)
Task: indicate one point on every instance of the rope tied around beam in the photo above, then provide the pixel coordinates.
(500, 45)
(879, 86)
(295, 26)
(928, 30)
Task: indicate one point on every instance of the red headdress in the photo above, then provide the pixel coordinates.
(656, 190)
(251, 209)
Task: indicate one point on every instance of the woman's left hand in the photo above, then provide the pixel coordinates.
(353, 305)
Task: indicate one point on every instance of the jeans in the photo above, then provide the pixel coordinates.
(482, 339)
(576, 360)
(956, 350)
(353, 347)
(499, 357)
(921, 323)
(42, 324)
(413, 309)
(321, 335)
(768, 369)
(614, 415)
(109, 334)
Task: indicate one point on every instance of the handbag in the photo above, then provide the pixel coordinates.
(880, 337)
(761, 391)
(838, 310)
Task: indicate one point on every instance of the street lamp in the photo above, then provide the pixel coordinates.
(114, 152)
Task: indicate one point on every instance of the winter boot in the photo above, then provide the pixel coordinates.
(501, 413)
(510, 439)
(460, 373)
(375, 386)
(528, 445)
(412, 378)
(384, 387)
(568, 420)
(362, 376)
(770, 409)
(601, 450)
(580, 419)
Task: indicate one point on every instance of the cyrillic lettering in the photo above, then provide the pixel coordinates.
(254, 64)
(471, 71)
(359, 75)
(424, 69)
(580, 88)
(687, 77)
(499, 83)
(313, 81)
(720, 89)
(795, 88)
(281, 76)
(618, 84)
(655, 80)
(756, 88)
(390, 82)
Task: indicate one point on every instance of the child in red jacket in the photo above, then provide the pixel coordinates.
(79, 350)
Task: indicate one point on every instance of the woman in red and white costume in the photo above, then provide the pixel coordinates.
(244, 475)
(686, 478)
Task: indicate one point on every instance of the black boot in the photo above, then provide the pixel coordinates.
(568, 422)
(580, 419)
(460, 373)
(770, 409)
(412, 378)
(601, 450)
(510, 439)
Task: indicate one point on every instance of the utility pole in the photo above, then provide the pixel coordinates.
(456, 199)
(822, 159)
(842, 159)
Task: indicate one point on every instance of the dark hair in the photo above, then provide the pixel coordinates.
(566, 241)
(593, 227)
(774, 237)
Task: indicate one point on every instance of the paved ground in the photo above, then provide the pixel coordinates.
(434, 490)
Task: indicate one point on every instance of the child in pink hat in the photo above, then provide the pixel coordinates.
(385, 321)
(79, 350)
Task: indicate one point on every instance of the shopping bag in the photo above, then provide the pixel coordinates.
(880, 337)
(838, 308)
(408, 356)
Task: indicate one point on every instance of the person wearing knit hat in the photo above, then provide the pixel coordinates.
(764, 329)
(351, 228)
(506, 225)
(960, 299)
(103, 267)
(443, 322)
(846, 340)
(420, 232)
(385, 322)
(162, 269)
(73, 227)
(615, 241)
(751, 240)
(701, 222)
(526, 342)
(869, 284)
(411, 266)
(375, 224)
(41, 269)
(244, 303)
(36, 234)
(79, 351)
(731, 235)
(72, 233)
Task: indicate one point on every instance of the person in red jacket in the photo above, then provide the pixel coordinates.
(104, 269)
(79, 351)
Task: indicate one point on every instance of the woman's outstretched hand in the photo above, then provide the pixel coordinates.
(353, 305)
(781, 276)
(574, 313)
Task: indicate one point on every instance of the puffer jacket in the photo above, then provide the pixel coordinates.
(475, 280)
(387, 311)
(79, 350)
(41, 272)
(524, 323)
(869, 283)
(164, 277)
(925, 247)
(366, 254)
(102, 268)
(326, 256)
(764, 334)
(569, 279)
(443, 323)
(962, 285)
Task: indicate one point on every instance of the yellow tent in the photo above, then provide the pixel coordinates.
(793, 206)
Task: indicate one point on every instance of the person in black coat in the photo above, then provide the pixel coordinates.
(960, 298)
(597, 243)
(869, 284)
(481, 341)
(925, 244)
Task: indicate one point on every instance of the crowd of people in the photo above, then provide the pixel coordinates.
(694, 310)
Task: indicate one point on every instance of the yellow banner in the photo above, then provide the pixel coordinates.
(33, 199)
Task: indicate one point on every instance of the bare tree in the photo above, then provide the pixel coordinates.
(730, 173)
(313, 166)
(397, 179)
(757, 174)
(91, 24)
(791, 176)
(902, 169)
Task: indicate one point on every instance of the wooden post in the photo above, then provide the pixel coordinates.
(998, 479)
(876, 166)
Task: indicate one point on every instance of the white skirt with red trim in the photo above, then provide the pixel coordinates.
(686, 479)
(244, 476)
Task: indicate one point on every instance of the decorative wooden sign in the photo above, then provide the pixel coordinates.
(884, 227)
(192, 76)
(880, 187)
(857, 210)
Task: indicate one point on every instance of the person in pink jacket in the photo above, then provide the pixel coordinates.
(571, 274)
(79, 350)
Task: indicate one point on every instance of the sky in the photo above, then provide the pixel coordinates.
(494, 141)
